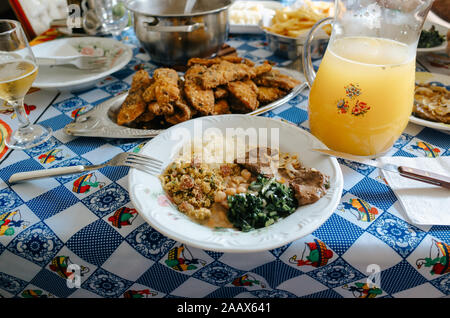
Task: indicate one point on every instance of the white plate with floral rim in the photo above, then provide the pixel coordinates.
(70, 78)
(437, 79)
(148, 196)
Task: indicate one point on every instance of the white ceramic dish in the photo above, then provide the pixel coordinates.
(100, 121)
(70, 78)
(149, 199)
(442, 31)
(430, 124)
(439, 79)
(262, 9)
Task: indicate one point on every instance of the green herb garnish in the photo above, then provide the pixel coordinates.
(430, 38)
(266, 202)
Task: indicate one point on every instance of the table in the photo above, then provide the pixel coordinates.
(52, 226)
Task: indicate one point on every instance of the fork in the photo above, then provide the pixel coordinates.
(143, 163)
(83, 62)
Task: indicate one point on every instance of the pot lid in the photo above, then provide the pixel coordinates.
(176, 8)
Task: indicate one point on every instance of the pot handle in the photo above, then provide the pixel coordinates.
(153, 26)
(308, 68)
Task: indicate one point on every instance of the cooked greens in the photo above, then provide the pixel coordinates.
(265, 203)
(430, 38)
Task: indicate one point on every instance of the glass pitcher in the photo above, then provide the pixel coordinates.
(362, 96)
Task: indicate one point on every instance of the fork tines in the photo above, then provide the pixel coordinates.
(144, 157)
(144, 163)
(97, 60)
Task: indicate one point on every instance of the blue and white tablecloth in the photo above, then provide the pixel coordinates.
(87, 223)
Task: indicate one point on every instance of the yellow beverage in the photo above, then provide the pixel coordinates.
(362, 97)
(16, 78)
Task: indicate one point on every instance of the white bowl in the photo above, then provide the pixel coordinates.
(148, 196)
(442, 31)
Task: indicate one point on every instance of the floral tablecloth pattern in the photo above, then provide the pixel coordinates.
(367, 248)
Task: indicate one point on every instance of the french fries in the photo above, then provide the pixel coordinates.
(296, 22)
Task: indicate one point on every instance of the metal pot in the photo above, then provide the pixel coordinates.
(173, 31)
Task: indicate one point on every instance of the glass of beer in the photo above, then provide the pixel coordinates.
(18, 69)
(362, 97)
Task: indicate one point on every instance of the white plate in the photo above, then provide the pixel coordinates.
(440, 79)
(442, 31)
(266, 10)
(70, 78)
(147, 194)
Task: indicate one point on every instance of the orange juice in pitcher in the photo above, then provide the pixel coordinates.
(362, 97)
(369, 95)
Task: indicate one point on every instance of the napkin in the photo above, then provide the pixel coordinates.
(423, 203)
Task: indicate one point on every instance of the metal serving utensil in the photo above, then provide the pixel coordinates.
(144, 163)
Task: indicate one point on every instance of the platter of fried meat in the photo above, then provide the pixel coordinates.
(216, 86)
(221, 85)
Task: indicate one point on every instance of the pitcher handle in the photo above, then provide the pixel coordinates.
(308, 68)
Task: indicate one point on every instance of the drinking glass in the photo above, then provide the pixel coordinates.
(18, 69)
(362, 97)
(113, 15)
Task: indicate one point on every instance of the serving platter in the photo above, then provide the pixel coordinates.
(100, 121)
(148, 196)
(440, 80)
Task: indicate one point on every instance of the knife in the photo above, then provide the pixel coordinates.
(407, 172)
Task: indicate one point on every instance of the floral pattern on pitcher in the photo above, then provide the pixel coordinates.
(359, 108)
(352, 90)
(342, 106)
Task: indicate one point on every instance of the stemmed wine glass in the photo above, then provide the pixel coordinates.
(18, 70)
(113, 15)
